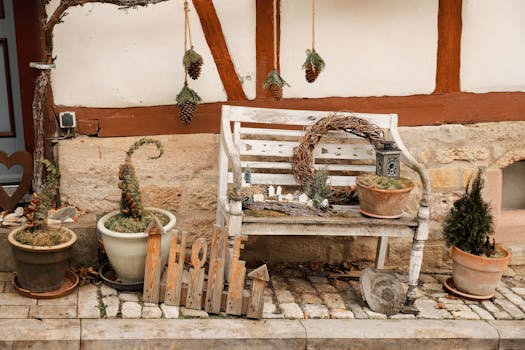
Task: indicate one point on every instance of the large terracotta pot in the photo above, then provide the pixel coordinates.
(383, 204)
(477, 275)
(127, 251)
(41, 269)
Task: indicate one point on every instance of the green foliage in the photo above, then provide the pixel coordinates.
(314, 60)
(191, 56)
(384, 182)
(318, 189)
(470, 222)
(131, 198)
(248, 175)
(41, 203)
(274, 79)
(187, 95)
(127, 224)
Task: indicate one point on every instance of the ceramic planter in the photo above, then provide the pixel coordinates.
(477, 275)
(127, 251)
(383, 204)
(41, 269)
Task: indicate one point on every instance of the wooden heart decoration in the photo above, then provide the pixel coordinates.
(25, 159)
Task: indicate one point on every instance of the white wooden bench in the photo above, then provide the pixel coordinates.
(264, 139)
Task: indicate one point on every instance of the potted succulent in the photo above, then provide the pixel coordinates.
(41, 252)
(122, 230)
(477, 263)
(381, 196)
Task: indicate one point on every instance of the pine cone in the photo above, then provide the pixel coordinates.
(277, 91)
(194, 69)
(186, 111)
(311, 73)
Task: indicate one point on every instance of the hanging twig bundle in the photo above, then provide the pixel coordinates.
(187, 101)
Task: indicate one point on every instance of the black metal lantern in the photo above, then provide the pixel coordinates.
(387, 160)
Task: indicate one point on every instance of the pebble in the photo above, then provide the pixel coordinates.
(190, 313)
(284, 296)
(341, 314)
(315, 311)
(129, 297)
(151, 312)
(170, 311)
(484, 314)
(291, 310)
(131, 310)
(112, 303)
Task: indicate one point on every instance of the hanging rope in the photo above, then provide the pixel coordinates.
(186, 34)
(313, 25)
(275, 34)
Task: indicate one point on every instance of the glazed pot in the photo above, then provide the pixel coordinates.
(383, 204)
(477, 275)
(41, 269)
(127, 251)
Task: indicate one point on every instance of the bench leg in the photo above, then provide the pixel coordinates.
(382, 246)
(416, 259)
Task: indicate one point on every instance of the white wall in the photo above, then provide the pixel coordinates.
(113, 58)
(493, 45)
(371, 47)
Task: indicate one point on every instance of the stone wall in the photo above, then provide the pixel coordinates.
(184, 181)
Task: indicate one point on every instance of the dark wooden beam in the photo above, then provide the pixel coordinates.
(212, 29)
(264, 43)
(459, 107)
(449, 46)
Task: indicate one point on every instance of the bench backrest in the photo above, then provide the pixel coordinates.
(265, 139)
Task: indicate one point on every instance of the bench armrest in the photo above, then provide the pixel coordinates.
(233, 155)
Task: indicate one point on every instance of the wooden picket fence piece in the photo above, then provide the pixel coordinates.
(153, 267)
(216, 271)
(172, 294)
(196, 282)
(260, 277)
(237, 275)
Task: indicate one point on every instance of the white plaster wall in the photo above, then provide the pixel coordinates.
(113, 58)
(371, 48)
(493, 46)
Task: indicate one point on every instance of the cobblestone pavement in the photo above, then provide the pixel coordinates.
(289, 295)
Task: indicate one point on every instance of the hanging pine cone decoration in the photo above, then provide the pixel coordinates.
(313, 65)
(193, 63)
(275, 83)
(187, 101)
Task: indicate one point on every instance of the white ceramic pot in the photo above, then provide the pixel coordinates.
(127, 251)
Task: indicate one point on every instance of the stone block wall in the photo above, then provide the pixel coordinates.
(184, 181)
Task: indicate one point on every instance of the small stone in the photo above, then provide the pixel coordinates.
(131, 310)
(427, 278)
(107, 291)
(402, 317)
(151, 312)
(190, 313)
(324, 204)
(170, 311)
(88, 305)
(450, 301)
(284, 296)
(258, 197)
(341, 314)
(374, 315)
(279, 283)
(269, 308)
(465, 315)
(510, 308)
(310, 204)
(291, 310)
(315, 311)
(484, 314)
(128, 297)
(111, 303)
(64, 213)
(288, 197)
(300, 285)
(325, 288)
(358, 310)
(12, 217)
(303, 198)
(334, 300)
(279, 191)
(427, 309)
(272, 316)
(457, 307)
(432, 287)
(271, 191)
(19, 211)
(310, 298)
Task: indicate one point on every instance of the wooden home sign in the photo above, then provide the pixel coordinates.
(199, 292)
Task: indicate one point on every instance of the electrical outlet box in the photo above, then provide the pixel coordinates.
(68, 120)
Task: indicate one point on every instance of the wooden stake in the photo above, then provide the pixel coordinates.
(237, 275)
(260, 277)
(172, 295)
(153, 263)
(216, 271)
(196, 282)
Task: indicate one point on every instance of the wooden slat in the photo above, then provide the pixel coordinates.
(290, 133)
(301, 117)
(288, 166)
(153, 263)
(196, 281)
(322, 150)
(286, 179)
(175, 269)
(260, 277)
(236, 280)
(216, 271)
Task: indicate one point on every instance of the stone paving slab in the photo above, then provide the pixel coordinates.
(400, 334)
(192, 334)
(512, 334)
(40, 334)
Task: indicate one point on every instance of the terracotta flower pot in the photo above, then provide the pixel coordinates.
(383, 204)
(477, 275)
(41, 269)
